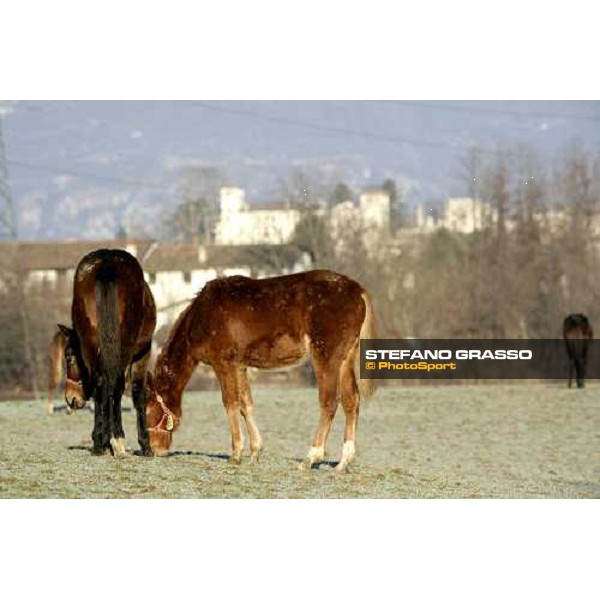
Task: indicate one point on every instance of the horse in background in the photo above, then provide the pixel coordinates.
(114, 317)
(57, 361)
(237, 322)
(55, 374)
(578, 335)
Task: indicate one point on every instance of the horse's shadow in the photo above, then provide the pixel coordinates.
(173, 454)
(214, 456)
(176, 453)
(226, 457)
(322, 463)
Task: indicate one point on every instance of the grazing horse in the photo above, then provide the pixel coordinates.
(237, 322)
(57, 354)
(114, 317)
(578, 334)
(61, 353)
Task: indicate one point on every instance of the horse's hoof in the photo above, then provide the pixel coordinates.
(340, 469)
(118, 447)
(235, 460)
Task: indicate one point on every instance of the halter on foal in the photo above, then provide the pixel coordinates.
(237, 322)
(114, 317)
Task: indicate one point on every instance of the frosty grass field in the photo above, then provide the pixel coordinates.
(471, 441)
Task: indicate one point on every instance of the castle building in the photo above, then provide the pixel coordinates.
(239, 223)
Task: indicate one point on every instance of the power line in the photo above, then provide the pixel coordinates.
(501, 111)
(324, 128)
(306, 125)
(348, 131)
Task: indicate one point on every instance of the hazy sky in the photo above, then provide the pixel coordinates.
(56, 150)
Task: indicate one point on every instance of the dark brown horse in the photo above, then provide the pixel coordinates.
(578, 335)
(237, 322)
(114, 317)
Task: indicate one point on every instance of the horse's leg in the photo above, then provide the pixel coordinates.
(117, 439)
(579, 372)
(230, 389)
(350, 403)
(327, 379)
(570, 373)
(138, 394)
(55, 375)
(100, 436)
(51, 394)
(247, 409)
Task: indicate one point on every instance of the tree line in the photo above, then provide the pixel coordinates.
(535, 258)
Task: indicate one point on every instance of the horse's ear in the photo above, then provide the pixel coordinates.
(66, 331)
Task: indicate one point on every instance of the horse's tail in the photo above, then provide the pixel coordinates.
(368, 331)
(107, 310)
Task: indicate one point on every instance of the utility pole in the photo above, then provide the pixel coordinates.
(8, 220)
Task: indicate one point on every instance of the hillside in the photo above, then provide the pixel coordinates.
(80, 169)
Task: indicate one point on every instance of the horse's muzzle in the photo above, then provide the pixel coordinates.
(75, 403)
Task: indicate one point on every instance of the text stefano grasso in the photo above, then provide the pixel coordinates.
(471, 354)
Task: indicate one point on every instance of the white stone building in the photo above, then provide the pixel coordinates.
(466, 215)
(460, 215)
(239, 223)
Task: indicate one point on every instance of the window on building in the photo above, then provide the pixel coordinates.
(187, 277)
(152, 278)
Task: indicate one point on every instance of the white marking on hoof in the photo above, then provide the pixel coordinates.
(348, 452)
(315, 454)
(118, 447)
(50, 408)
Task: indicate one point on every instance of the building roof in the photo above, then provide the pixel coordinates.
(187, 257)
(41, 256)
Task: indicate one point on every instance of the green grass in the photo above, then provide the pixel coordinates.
(501, 441)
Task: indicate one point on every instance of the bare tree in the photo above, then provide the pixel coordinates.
(197, 192)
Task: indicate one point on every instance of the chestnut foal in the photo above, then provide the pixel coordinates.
(237, 322)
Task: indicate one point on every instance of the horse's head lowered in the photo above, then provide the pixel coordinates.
(74, 392)
(160, 420)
